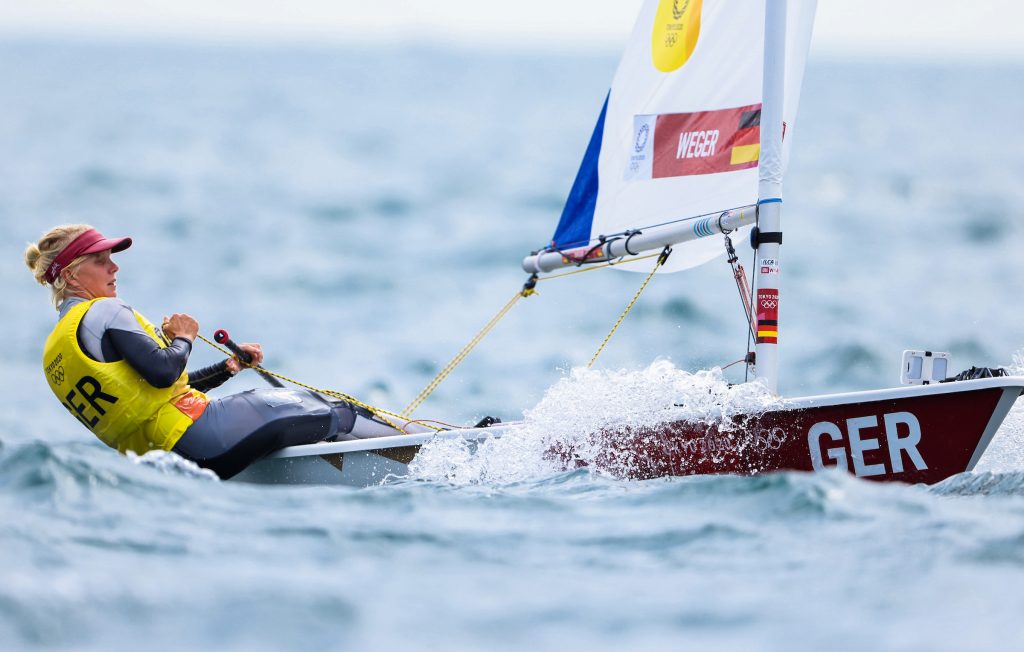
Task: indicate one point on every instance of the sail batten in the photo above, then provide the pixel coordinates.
(681, 130)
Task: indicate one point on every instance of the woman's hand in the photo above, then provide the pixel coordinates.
(255, 350)
(180, 325)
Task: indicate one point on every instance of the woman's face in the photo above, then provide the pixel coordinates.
(96, 277)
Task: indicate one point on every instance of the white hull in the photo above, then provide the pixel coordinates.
(360, 463)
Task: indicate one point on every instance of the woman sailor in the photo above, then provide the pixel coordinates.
(126, 381)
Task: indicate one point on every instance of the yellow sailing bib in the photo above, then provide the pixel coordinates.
(110, 398)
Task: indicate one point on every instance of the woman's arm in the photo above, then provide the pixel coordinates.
(210, 377)
(109, 332)
(215, 375)
(159, 366)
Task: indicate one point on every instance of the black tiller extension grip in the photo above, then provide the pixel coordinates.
(221, 337)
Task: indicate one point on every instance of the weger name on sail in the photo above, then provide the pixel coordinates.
(697, 144)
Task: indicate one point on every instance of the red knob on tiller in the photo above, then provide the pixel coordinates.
(221, 336)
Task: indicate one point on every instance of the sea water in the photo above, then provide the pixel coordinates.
(361, 213)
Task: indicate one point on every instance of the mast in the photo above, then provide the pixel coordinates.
(769, 196)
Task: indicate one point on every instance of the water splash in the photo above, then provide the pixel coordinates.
(1006, 452)
(170, 463)
(580, 406)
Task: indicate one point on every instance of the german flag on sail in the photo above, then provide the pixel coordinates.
(707, 142)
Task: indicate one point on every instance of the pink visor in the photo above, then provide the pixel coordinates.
(90, 242)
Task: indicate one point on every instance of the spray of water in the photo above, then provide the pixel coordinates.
(172, 464)
(587, 402)
(1006, 452)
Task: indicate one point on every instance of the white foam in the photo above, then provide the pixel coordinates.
(172, 464)
(581, 405)
(1006, 452)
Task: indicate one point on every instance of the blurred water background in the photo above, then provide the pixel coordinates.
(362, 212)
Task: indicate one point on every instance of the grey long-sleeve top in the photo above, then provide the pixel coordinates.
(109, 332)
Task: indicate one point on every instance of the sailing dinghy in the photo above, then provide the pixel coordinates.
(690, 147)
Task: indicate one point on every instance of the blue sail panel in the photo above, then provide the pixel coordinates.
(578, 215)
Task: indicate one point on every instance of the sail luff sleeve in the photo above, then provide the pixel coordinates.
(578, 214)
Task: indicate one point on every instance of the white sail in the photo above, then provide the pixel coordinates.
(679, 136)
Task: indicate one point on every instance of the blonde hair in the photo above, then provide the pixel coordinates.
(41, 255)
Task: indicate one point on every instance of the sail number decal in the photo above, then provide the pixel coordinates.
(687, 144)
(902, 437)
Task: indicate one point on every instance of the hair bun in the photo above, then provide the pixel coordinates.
(32, 255)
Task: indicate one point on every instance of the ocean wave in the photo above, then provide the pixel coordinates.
(982, 484)
(788, 496)
(41, 470)
(667, 539)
